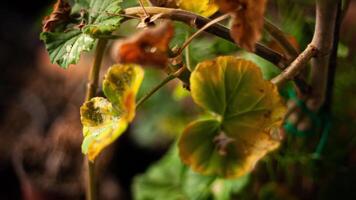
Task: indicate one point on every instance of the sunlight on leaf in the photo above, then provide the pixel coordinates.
(204, 8)
(247, 112)
(105, 120)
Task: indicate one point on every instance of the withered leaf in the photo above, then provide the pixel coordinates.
(61, 13)
(247, 20)
(149, 47)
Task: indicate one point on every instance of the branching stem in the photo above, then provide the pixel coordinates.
(296, 66)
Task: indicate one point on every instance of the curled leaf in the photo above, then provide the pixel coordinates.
(105, 120)
(148, 47)
(247, 111)
(204, 8)
(247, 21)
(61, 13)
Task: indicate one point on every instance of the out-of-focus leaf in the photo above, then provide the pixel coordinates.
(169, 179)
(204, 8)
(247, 111)
(223, 189)
(70, 29)
(148, 47)
(247, 21)
(104, 121)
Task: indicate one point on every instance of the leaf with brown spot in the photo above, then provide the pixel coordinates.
(247, 21)
(148, 47)
(60, 14)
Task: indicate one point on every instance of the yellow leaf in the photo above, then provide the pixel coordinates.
(204, 8)
(247, 112)
(105, 120)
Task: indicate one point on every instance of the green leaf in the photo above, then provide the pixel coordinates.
(247, 112)
(69, 40)
(104, 17)
(169, 179)
(65, 48)
(105, 120)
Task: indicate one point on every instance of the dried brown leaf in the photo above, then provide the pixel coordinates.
(247, 20)
(61, 12)
(149, 47)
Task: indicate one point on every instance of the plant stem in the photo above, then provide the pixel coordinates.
(281, 38)
(296, 66)
(197, 21)
(190, 39)
(93, 82)
(159, 86)
(155, 89)
(323, 40)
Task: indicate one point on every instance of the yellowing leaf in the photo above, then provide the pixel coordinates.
(105, 120)
(101, 126)
(247, 20)
(247, 111)
(204, 8)
(121, 85)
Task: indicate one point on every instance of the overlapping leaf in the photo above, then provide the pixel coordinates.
(247, 112)
(204, 8)
(104, 120)
(247, 20)
(71, 28)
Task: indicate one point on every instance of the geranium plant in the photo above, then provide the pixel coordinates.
(246, 114)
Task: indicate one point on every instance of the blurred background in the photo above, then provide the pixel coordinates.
(40, 131)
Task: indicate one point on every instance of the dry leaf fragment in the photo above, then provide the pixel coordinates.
(148, 47)
(60, 13)
(247, 20)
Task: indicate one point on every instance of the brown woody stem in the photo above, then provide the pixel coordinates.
(197, 21)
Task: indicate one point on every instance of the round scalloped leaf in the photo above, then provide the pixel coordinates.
(121, 85)
(101, 126)
(249, 111)
(204, 8)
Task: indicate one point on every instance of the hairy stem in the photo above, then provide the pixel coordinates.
(93, 82)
